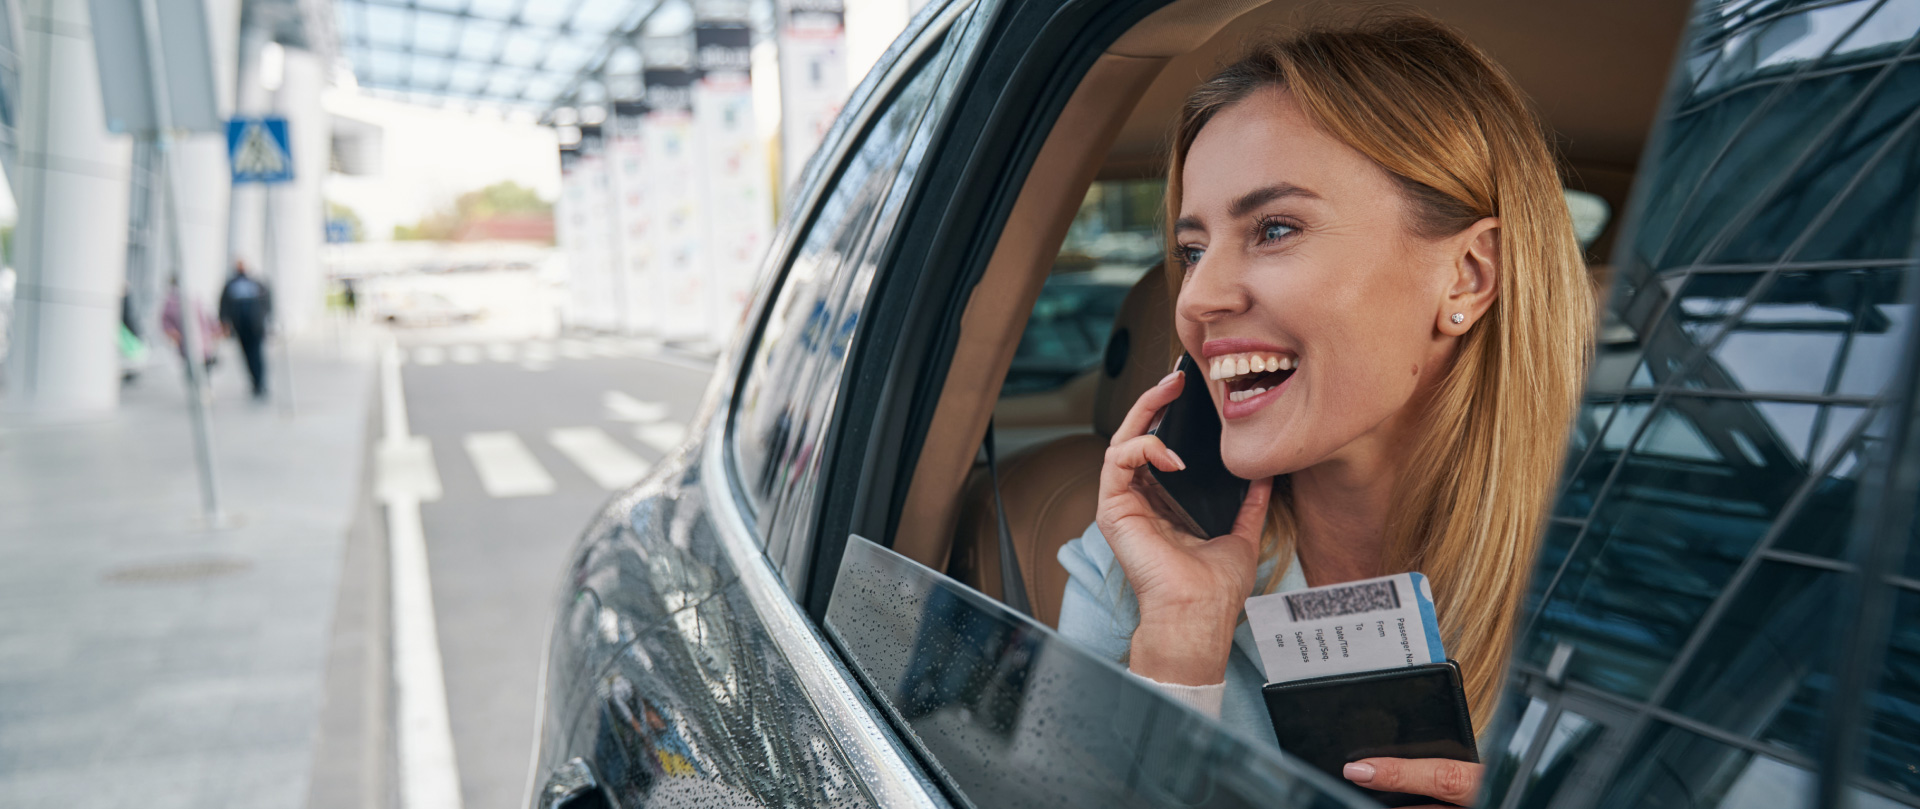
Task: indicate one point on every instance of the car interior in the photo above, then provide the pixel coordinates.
(1072, 319)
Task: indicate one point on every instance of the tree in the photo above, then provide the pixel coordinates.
(502, 199)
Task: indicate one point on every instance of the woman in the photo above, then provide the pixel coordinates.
(1373, 209)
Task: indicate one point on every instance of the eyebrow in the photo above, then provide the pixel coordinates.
(1248, 202)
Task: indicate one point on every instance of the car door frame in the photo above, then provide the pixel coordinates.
(1030, 58)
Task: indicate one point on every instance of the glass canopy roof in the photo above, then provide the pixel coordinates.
(529, 55)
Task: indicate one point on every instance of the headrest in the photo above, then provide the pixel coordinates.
(1139, 350)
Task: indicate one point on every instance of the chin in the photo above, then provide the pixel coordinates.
(1255, 451)
(1250, 463)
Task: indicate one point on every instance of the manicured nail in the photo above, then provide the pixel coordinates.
(1358, 772)
(1176, 458)
(1168, 378)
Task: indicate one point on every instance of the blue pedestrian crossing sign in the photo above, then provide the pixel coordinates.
(258, 150)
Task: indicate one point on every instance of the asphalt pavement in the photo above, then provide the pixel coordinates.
(528, 439)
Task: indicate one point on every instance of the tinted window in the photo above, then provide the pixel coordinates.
(1114, 240)
(1690, 593)
(1010, 714)
(792, 380)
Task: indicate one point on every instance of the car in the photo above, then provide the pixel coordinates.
(417, 307)
(804, 605)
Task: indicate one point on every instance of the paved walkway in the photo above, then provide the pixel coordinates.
(145, 660)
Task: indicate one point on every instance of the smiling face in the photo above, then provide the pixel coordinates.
(1308, 296)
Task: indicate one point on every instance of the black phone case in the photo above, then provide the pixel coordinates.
(1204, 497)
(1411, 712)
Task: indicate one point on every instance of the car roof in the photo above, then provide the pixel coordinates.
(1595, 72)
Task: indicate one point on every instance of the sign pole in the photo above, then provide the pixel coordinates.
(262, 152)
(270, 258)
(190, 336)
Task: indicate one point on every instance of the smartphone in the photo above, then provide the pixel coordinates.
(1408, 712)
(1203, 498)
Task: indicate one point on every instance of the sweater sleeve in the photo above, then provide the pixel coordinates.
(1203, 698)
(1091, 612)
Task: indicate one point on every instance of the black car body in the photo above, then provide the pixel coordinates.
(726, 637)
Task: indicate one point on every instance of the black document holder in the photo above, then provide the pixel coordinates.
(1411, 712)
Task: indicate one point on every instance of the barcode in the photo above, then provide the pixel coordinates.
(1362, 597)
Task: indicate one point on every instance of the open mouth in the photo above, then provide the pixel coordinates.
(1250, 374)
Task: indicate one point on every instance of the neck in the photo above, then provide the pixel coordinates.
(1341, 505)
(1342, 519)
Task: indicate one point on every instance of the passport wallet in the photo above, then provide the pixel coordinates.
(1408, 712)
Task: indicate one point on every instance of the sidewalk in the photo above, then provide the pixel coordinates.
(144, 660)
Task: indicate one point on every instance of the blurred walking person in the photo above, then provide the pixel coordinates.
(174, 324)
(245, 307)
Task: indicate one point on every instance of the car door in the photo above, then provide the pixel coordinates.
(680, 670)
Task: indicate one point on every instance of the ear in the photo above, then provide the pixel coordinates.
(1475, 280)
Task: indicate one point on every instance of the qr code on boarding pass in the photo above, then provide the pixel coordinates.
(1362, 597)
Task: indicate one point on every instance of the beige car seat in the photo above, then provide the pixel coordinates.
(1051, 489)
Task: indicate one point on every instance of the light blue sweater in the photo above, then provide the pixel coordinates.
(1098, 612)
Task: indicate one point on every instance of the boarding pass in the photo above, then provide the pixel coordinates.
(1367, 625)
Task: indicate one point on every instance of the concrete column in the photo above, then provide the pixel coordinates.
(298, 214)
(70, 246)
(201, 178)
(200, 182)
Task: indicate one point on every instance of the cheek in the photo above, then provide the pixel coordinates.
(1190, 335)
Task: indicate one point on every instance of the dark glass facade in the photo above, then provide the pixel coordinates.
(1724, 614)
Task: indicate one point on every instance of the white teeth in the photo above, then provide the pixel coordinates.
(1243, 364)
(1243, 395)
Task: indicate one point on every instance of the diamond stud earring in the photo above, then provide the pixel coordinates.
(1459, 318)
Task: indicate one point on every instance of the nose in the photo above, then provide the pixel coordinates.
(1213, 289)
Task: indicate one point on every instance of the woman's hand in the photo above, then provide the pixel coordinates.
(1456, 782)
(1190, 589)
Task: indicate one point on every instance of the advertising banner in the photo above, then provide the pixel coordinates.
(735, 201)
(626, 160)
(813, 78)
(569, 230)
(673, 253)
(594, 274)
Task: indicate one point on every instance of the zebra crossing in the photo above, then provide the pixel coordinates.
(536, 355)
(508, 467)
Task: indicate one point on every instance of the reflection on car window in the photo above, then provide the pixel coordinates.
(1114, 240)
(1013, 715)
(792, 380)
(1590, 215)
(1686, 588)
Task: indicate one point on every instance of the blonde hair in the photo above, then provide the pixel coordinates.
(1450, 127)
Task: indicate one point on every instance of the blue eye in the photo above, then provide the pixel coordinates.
(1191, 255)
(1274, 231)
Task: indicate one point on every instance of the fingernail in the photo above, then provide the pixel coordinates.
(1358, 772)
(1176, 458)
(1168, 378)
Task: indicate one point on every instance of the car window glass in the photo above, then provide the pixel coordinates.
(1010, 714)
(1590, 215)
(1760, 138)
(1893, 734)
(1710, 503)
(792, 376)
(1114, 240)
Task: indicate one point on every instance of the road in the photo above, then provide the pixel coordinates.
(529, 438)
